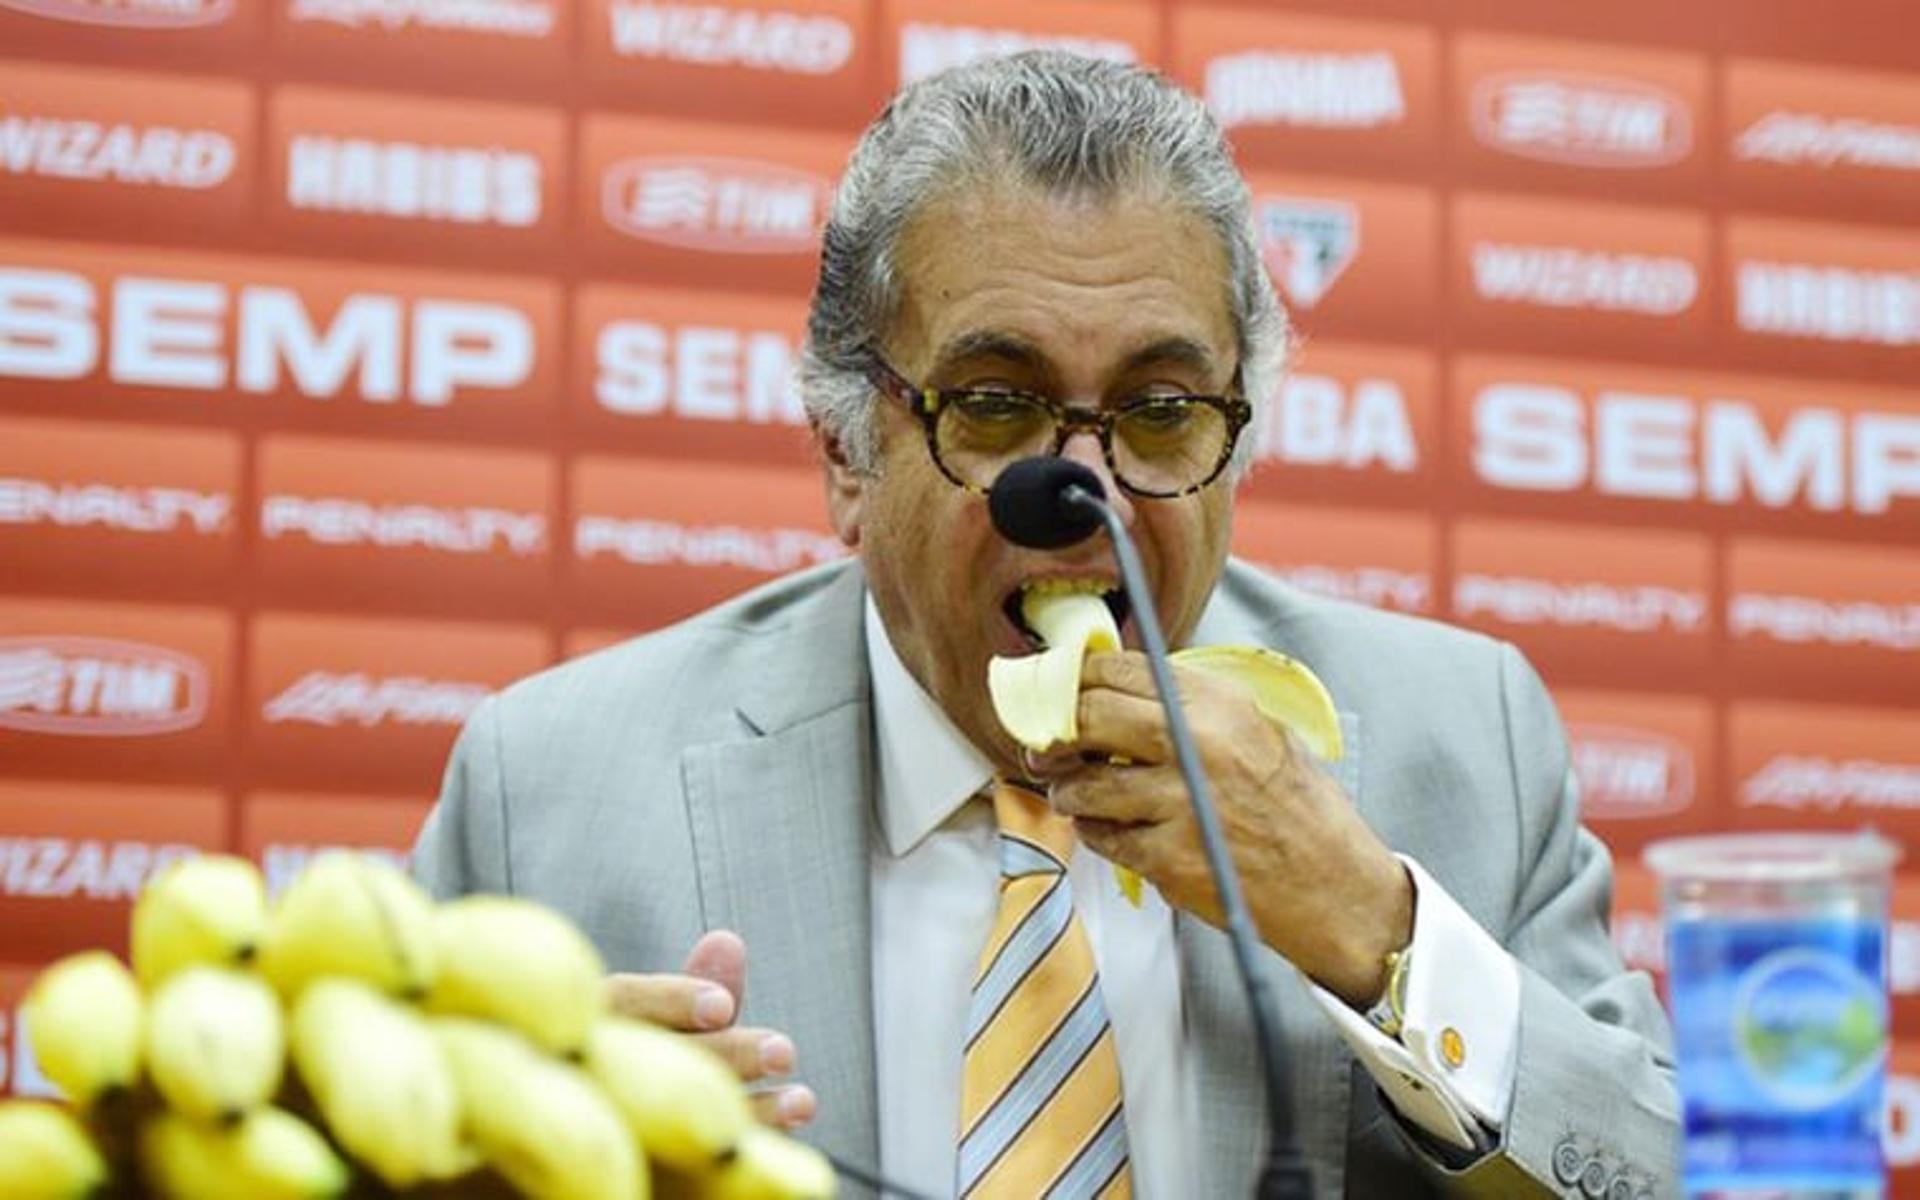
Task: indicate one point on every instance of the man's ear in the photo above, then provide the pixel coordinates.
(846, 489)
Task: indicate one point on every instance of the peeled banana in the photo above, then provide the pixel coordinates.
(83, 1020)
(521, 964)
(771, 1166)
(1037, 696)
(351, 914)
(380, 1081)
(211, 909)
(541, 1123)
(45, 1154)
(215, 1043)
(269, 1155)
(685, 1105)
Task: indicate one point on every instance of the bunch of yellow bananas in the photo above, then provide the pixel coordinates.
(355, 1036)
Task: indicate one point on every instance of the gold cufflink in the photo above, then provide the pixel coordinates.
(1453, 1048)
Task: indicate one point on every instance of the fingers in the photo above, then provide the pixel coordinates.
(721, 956)
(1122, 670)
(752, 1053)
(1129, 795)
(786, 1107)
(681, 1002)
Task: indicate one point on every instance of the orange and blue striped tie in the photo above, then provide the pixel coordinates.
(1040, 1111)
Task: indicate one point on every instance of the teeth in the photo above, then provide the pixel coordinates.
(1066, 587)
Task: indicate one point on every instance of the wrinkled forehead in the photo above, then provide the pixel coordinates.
(1026, 276)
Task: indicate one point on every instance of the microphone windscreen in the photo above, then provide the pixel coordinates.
(1029, 504)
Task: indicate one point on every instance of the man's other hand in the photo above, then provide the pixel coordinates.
(703, 1001)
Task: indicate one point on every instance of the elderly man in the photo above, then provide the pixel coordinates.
(1048, 254)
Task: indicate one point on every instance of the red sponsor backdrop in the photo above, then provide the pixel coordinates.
(358, 356)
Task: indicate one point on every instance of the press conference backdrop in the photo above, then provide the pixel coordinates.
(359, 356)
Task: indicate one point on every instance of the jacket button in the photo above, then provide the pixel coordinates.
(1568, 1162)
(1620, 1189)
(1593, 1180)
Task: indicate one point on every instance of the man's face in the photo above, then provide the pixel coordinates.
(1091, 303)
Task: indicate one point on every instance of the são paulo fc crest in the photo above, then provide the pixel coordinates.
(1307, 244)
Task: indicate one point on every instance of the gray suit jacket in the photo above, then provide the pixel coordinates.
(718, 774)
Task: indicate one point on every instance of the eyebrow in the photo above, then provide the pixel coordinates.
(1174, 351)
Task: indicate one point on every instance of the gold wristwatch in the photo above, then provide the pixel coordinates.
(1389, 1012)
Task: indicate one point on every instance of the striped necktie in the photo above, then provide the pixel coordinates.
(1040, 1111)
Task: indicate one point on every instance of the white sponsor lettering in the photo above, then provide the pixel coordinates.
(1900, 1124)
(1320, 421)
(135, 14)
(1641, 938)
(698, 373)
(465, 185)
(107, 506)
(168, 333)
(99, 687)
(1629, 773)
(1903, 957)
(503, 18)
(1798, 782)
(1581, 120)
(710, 35)
(651, 543)
(1563, 277)
(1829, 303)
(337, 521)
(1807, 139)
(716, 204)
(1801, 620)
(1305, 89)
(1376, 587)
(81, 868)
(1629, 608)
(1536, 437)
(930, 49)
(282, 863)
(333, 698)
(141, 155)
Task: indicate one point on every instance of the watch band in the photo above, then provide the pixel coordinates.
(1389, 1012)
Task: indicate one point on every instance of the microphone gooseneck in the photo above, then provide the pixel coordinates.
(1049, 503)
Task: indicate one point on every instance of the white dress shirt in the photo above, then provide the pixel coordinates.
(935, 891)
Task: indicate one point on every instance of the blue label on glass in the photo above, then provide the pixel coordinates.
(1782, 1029)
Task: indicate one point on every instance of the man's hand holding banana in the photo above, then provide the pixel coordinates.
(1324, 891)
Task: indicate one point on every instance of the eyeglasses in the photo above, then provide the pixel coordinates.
(1159, 446)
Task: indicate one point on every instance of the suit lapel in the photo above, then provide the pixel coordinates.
(781, 821)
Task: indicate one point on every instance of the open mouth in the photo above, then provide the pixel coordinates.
(1110, 594)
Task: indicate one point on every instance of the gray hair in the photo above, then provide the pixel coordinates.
(1059, 122)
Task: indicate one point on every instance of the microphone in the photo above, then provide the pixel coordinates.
(1050, 503)
(1030, 505)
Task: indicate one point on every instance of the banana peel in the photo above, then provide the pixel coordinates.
(1037, 696)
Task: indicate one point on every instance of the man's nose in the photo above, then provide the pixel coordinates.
(1083, 447)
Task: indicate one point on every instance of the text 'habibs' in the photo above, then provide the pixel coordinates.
(467, 185)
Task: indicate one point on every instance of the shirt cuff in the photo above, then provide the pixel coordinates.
(1452, 1067)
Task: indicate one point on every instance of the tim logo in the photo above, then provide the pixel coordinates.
(1629, 773)
(136, 14)
(1581, 120)
(728, 205)
(1307, 244)
(98, 687)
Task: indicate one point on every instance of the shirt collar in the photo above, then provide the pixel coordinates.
(928, 769)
